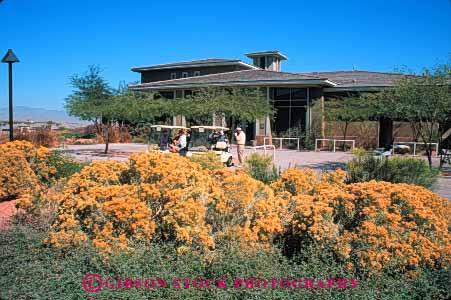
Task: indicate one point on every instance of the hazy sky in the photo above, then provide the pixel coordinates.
(57, 38)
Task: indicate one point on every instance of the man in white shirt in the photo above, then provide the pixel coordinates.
(182, 142)
(240, 138)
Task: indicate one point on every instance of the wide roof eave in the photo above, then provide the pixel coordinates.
(256, 83)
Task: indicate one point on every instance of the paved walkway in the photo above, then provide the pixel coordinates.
(283, 158)
(443, 187)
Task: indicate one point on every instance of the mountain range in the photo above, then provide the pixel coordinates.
(25, 113)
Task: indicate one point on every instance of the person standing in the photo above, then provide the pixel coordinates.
(182, 142)
(240, 138)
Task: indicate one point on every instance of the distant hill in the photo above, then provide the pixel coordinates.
(25, 113)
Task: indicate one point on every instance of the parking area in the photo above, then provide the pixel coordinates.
(319, 161)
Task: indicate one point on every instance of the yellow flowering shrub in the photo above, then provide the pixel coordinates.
(164, 197)
(369, 225)
(153, 196)
(296, 182)
(22, 168)
(246, 210)
(178, 191)
(158, 197)
(37, 157)
(95, 205)
(402, 224)
(111, 216)
(16, 177)
(310, 203)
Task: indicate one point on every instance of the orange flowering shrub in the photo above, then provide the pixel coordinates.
(22, 168)
(163, 197)
(402, 224)
(246, 210)
(154, 196)
(178, 191)
(310, 203)
(16, 177)
(369, 225)
(95, 205)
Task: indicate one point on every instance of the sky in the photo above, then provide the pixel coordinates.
(57, 38)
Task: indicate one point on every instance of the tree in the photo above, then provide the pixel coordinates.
(243, 104)
(424, 101)
(346, 110)
(94, 100)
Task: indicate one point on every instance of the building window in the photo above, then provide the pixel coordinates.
(184, 74)
(196, 73)
(173, 75)
(262, 63)
(187, 93)
(291, 105)
(167, 94)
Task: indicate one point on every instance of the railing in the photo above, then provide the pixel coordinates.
(334, 143)
(265, 148)
(415, 147)
(281, 140)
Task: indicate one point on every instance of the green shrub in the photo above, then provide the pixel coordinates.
(78, 135)
(261, 167)
(209, 160)
(64, 164)
(140, 140)
(366, 167)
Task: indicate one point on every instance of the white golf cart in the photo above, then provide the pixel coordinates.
(162, 135)
(210, 138)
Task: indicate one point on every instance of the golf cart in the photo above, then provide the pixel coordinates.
(210, 138)
(161, 136)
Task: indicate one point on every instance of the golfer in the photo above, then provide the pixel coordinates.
(240, 138)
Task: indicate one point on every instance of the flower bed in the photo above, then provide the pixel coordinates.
(158, 198)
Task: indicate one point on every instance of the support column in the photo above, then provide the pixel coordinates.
(307, 113)
(257, 128)
(323, 122)
(385, 132)
(267, 120)
(174, 119)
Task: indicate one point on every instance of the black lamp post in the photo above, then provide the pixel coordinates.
(10, 58)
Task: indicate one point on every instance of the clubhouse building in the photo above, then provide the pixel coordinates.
(292, 93)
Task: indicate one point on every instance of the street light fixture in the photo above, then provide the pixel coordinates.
(10, 58)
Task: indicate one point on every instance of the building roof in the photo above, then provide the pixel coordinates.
(209, 62)
(267, 53)
(239, 78)
(352, 80)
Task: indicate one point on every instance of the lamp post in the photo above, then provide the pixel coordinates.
(10, 58)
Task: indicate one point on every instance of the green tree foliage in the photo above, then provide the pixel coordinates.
(424, 101)
(346, 110)
(94, 100)
(244, 104)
